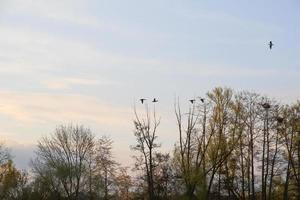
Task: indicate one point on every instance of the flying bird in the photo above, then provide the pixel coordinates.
(271, 44)
(192, 101)
(142, 100)
(155, 100)
(202, 100)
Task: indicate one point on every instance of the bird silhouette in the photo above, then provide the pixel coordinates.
(266, 105)
(155, 100)
(280, 119)
(271, 44)
(142, 100)
(192, 101)
(202, 100)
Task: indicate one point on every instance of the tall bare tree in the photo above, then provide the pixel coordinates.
(190, 151)
(251, 115)
(146, 138)
(105, 164)
(291, 137)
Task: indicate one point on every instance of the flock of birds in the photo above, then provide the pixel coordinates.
(143, 100)
(201, 99)
(155, 100)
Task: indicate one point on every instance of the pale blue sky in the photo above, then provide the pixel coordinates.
(65, 61)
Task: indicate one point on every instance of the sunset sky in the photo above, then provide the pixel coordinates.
(88, 62)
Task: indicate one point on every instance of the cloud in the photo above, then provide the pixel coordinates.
(40, 51)
(68, 12)
(67, 83)
(31, 108)
(231, 71)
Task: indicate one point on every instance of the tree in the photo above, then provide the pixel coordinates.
(123, 184)
(165, 185)
(291, 154)
(190, 152)
(61, 160)
(231, 145)
(226, 136)
(4, 154)
(105, 164)
(13, 183)
(250, 103)
(146, 138)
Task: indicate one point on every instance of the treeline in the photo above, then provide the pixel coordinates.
(231, 145)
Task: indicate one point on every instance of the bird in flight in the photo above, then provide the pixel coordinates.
(202, 100)
(271, 44)
(155, 100)
(142, 100)
(192, 101)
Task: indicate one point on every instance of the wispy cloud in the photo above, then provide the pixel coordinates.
(67, 83)
(35, 50)
(219, 71)
(71, 12)
(68, 10)
(28, 108)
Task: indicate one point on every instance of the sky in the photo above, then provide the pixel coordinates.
(88, 62)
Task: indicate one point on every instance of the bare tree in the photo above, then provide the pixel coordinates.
(4, 154)
(105, 164)
(291, 137)
(251, 106)
(124, 183)
(64, 156)
(146, 138)
(190, 152)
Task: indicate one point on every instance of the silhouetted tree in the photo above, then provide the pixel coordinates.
(105, 164)
(146, 138)
(231, 145)
(61, 160)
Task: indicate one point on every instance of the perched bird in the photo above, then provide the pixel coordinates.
(142, 100)
(192, 101)
(280, 119)
(155, 100)
(271, 44)
(266, 106)
(202, 100)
